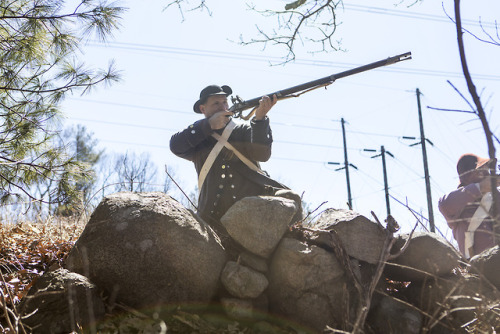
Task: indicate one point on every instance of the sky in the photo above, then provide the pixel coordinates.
(166, 59)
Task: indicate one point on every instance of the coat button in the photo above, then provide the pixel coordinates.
(221, 186)
(193, 131)
(232, 186)
(223, 166)
(223, 176)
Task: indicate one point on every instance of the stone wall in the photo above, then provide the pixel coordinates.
(342, 271)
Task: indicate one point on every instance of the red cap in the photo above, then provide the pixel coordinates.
(469, 162)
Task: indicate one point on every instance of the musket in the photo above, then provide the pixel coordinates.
(240, 105)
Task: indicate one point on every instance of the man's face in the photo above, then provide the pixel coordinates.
(214, 104)
(481, 173)
(476, 175)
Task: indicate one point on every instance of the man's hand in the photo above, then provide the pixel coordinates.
(265, 104)
(485, 184)
(219, 119)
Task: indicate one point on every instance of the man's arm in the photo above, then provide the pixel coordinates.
(452, 204)
(261, 139)
(184, 143)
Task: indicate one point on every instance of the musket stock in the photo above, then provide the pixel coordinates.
(240, 105)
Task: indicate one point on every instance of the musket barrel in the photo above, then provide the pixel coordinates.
(380, 63)
(240, 106)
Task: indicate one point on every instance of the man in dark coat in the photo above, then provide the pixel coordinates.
(228, 178)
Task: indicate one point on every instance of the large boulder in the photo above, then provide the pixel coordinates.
(487, 264)
(361, 238)
(258, 223)
(148, 251)
(307, 285)
(61, 301)
(427, 255)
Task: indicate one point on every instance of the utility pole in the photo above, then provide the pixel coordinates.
(346, 165)
(386, 186)
(423, 141)
(426, 166)
(384, 170)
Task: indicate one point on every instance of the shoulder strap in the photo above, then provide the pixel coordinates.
(244, 159)
(214, 153)
(477, 218)
(222, 142)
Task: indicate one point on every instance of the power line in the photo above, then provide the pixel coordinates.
(276, 123)
(414, 15)
(190, 113)
(175, 130)
(125, 124)
(306, 144)
(131, 106)
(167, 148)
(134, 144)
(241, 56)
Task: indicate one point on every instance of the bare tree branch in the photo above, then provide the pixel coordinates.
(482, 116)
(301, 18)
(454, 110)
(490, 40)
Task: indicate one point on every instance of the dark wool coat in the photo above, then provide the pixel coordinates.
(229, 179)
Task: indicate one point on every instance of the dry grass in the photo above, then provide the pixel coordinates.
(27, 251)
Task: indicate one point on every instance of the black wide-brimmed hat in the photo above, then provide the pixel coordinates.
(210, 91)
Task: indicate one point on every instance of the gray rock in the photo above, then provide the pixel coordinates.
(258, 223)
(253, 261)
(487, 264)
(390, 316)
(307, 285)
(243, 282)
(147, 250)
(427, 255)
(238, 308)
(61, 301)
(290, 194)
(360, 237)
